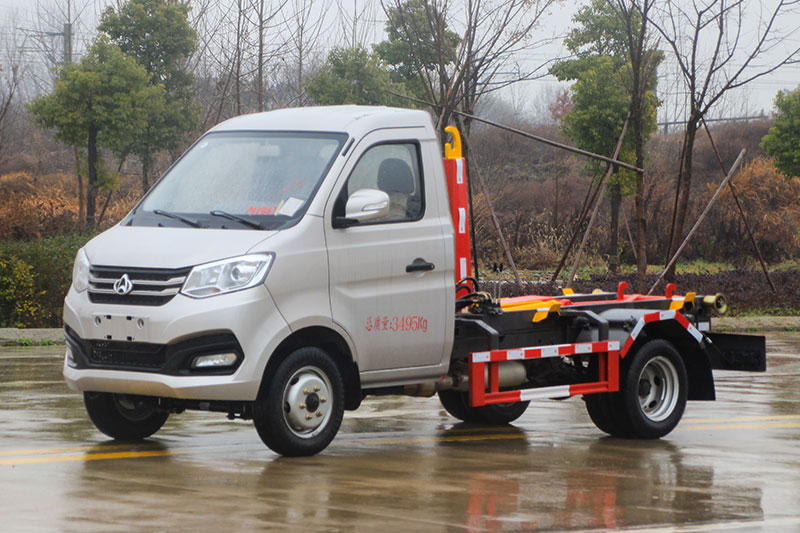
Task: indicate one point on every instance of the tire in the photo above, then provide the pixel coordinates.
(300, 407)
(124, 416)
(456, 403)
(605, 411)
(653, 391)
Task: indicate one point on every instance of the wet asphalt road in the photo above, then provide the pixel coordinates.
(401, 464)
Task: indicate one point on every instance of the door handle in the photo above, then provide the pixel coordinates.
(420, 265)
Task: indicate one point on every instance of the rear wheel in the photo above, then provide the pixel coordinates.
(124, 416)
(457, 404)
(652, 397)
(300, 407)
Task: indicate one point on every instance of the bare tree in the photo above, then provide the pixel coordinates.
(12, 71)
(222, 60)
(357, 23)
(211, 63)
(57, 33)
(304, 25)
(494, 34)
(240, 40)
(719, 46)
(263, 14)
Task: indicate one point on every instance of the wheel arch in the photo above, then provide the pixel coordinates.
(695, 359)
(332, 343)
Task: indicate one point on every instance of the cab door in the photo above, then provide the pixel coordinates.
(389, 277)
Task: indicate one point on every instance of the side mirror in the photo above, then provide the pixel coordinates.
(365, 205)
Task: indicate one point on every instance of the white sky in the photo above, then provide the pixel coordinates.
(528, 97)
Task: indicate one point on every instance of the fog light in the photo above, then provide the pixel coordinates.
(71, 359)
(216, 360)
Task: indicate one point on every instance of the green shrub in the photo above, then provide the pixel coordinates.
(19, 300)
(49, 263)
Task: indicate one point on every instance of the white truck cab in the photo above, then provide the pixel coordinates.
(248, 249)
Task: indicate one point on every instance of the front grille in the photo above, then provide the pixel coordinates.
(127, 354)
(151, 286)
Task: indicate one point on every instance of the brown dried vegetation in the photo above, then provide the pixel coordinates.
(538, 194)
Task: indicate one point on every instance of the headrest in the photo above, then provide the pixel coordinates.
(395, 176)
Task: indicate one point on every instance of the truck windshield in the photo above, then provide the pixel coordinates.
(228, 179)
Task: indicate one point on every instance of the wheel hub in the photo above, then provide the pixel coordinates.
(307, 402)
(658, 388)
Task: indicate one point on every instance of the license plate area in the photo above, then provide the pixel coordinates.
(121, 327)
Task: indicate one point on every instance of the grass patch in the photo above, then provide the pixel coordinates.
(765, 311)
(30, 342)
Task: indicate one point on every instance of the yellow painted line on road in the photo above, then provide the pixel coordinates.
(145, 447)
(163, 453)
(68, 449)
(88, 457)
(106, 452)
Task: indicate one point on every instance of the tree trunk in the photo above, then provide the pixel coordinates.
(147, 165)
(641, 229)
(238, 60)
(91, 186)
(81, 206)
(300, 59)
(555, 199)
(260, 56)
(613, 238)
(683, 200)
(639, 200)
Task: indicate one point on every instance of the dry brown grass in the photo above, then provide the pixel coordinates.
(38, 206)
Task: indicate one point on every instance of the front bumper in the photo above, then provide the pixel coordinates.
(246, 322)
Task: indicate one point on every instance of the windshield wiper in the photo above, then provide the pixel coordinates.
(251, 223)
(185, 220)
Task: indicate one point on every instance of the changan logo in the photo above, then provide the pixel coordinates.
(123, 285)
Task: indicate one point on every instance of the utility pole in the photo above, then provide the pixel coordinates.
(65, 34)
(67, 43)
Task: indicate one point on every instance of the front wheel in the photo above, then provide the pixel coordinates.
(300, 407)
(124, 416)
(457, 404)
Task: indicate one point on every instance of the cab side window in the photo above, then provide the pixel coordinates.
(395, 170)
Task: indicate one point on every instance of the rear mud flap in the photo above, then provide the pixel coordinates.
(727, 351)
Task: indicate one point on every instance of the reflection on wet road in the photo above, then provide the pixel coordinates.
(401, 464)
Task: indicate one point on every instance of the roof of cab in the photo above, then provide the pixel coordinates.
(352, 119)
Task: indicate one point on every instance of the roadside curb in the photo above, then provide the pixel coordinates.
(756, 323)
(730, 324)
(36, 335)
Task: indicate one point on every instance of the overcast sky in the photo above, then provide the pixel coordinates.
(528, 97)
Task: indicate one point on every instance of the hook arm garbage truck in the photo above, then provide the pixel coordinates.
(294, 262)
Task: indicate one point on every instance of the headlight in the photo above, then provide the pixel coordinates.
(227, 275)
(80, 272)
